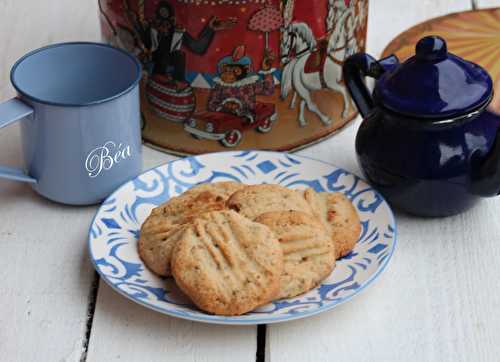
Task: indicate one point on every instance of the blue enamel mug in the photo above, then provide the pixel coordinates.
(78, 104)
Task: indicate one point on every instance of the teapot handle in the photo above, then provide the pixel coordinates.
(359, 66)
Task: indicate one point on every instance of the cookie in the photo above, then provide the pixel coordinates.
(224, 189)
(308, 251)
(227, 264)
(339, 216)
(256, 200)
(160, 231)
(155, 248)
(189, 203)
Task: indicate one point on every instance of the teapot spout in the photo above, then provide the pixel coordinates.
(486, 178)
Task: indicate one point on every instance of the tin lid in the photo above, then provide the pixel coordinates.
(434, 84)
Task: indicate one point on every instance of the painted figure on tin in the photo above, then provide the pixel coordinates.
(311, 64)
(236, 87)
(164, 39)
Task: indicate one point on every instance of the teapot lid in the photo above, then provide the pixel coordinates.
(434, 83)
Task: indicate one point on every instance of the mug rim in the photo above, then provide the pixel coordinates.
(82, 104)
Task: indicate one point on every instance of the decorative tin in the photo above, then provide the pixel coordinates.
(219, 74)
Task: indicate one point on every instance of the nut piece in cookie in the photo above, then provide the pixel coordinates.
(227, 264)
(308, 251)
(339, 216)
(256, 200)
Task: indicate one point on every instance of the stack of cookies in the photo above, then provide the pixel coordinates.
(233, 247)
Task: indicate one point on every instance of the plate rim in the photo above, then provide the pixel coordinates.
(237, 320)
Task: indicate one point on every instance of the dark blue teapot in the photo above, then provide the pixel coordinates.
(427, 142)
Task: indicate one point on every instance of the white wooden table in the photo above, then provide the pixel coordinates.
(439, 299)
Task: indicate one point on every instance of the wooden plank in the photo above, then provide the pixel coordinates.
(125, 331)
(45, 271)
(435, 301)
(480, 4)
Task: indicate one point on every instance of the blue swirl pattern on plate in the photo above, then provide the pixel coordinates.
(115, 229)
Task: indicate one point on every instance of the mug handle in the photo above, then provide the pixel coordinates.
(11, 111)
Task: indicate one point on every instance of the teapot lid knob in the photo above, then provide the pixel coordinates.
(431, 48)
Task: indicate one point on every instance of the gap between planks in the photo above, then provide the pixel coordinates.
(261, 343)
(92, 299)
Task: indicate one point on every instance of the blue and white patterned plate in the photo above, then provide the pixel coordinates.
(115, 229)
